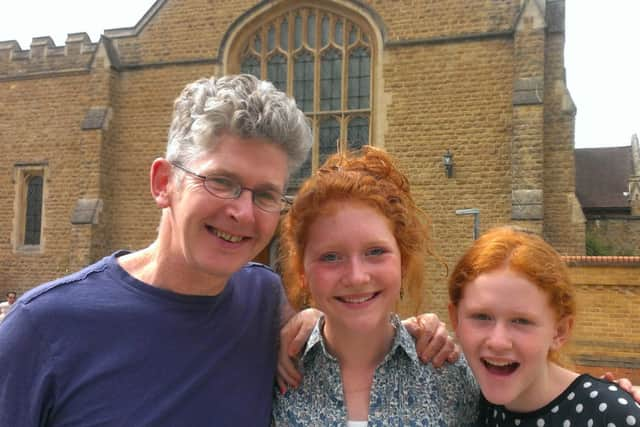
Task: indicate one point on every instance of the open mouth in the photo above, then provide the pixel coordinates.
(500, 368)
(358, 299)
(224, 236)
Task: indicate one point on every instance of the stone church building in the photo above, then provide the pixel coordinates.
(477, 84)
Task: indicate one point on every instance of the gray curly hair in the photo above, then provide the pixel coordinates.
(242, 105)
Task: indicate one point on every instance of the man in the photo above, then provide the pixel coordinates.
(183, 332)
(5, 306)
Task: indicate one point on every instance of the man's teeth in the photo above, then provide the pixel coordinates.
(359, 300)
(228, 237)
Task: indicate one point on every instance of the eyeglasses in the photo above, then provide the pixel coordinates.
(224, 187)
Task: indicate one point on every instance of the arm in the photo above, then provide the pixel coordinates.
(25, 373)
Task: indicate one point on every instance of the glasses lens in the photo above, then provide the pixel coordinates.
(222, 187)
(270, 201)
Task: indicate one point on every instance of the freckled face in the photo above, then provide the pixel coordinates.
(506, 328)
(352, 266)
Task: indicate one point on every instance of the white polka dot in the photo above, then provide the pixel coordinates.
(602, 407)
(622, 401)
(579, 408)
(590, 423)
(631, 420)
(571, 396)
(495, 413)
(555, 409)
(540, 422)
(611, 425)
(587, 384)
(517, 421)
(593, 394)
(566, 423)
(504, 416)
(613, 388)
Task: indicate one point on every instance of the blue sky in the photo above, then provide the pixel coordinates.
(602, 52)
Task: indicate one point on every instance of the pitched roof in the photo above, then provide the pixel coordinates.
(602, 176)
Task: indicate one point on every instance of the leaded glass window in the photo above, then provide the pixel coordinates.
(33, 220)
(323, 60)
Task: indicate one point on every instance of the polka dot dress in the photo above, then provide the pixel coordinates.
(588, 401)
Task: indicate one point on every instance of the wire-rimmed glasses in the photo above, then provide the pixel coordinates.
(224, 187)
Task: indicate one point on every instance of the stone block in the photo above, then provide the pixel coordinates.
(86, 211)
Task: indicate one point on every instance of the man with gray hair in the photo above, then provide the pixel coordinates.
(183, 332)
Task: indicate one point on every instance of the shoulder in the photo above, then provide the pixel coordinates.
(256, 276)
(256, 270)
(605, 398)
(63, 284)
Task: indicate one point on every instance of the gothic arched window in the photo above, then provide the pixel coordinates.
(323, 60)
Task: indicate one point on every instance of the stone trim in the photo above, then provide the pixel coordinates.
(86, 211)
(529, 91)
(95, 118)
(527, 204)
(450, 39)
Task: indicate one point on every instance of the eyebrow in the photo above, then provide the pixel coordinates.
(265, 186)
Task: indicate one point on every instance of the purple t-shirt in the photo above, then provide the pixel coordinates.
(100, 348)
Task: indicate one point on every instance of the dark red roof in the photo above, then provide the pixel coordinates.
(602, 176)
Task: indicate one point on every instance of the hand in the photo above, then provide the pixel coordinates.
(433, 342)
(624, 384)
(293, 336)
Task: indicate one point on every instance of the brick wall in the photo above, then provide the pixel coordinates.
(606, 336)
(445, 78)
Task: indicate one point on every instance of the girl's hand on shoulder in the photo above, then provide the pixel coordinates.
(433, 343)
(293, 336)
(625, 384)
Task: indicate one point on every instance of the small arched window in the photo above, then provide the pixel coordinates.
(33, 218)
(324, 61)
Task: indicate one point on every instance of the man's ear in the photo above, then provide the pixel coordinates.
(563, 331)
(453, 316)
(160, 182)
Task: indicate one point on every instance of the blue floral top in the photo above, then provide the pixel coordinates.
(405, 392)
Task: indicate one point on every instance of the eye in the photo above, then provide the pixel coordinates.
(480, 316)
(220, 183)
(522, 321)
(267, 197)
(376, 252)
(330, 257)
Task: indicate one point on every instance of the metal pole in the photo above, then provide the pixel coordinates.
(476, 219)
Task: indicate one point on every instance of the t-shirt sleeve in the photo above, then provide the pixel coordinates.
(26, 378)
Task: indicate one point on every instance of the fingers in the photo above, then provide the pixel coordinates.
(624, 384)
(288, 374)
(435, 348)
(293, 337)
(433, 343)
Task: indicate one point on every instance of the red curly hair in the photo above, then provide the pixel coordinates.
(368, 177)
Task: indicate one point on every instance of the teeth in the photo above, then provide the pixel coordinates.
(228, 237)
(500, 364)
(356, 300)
